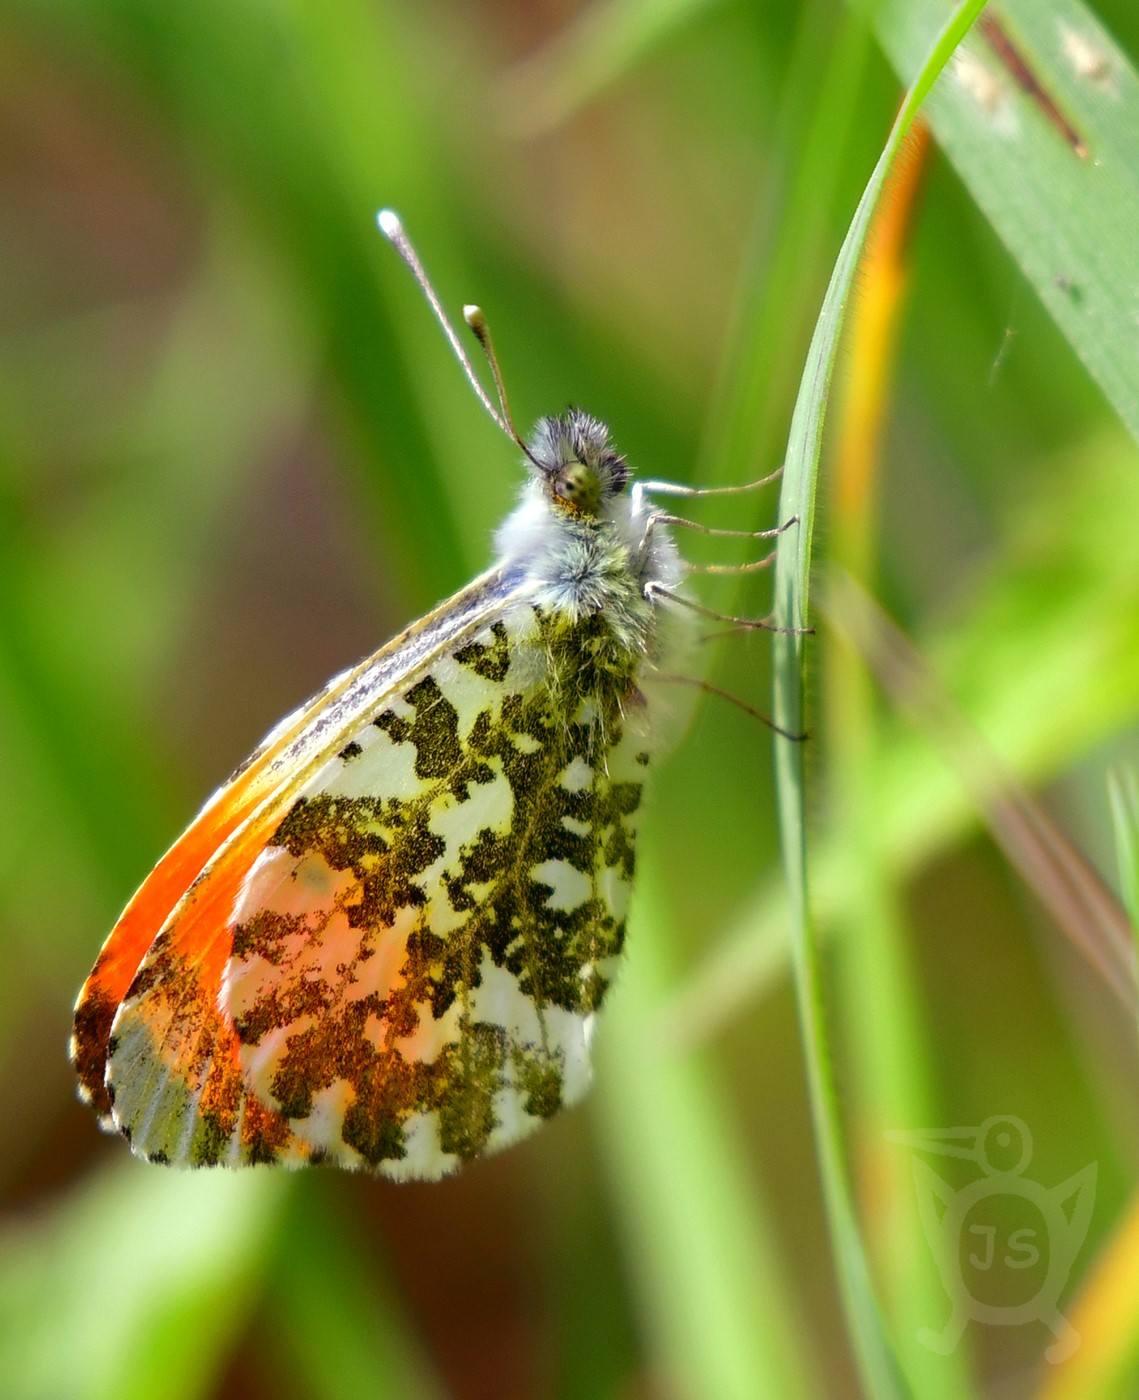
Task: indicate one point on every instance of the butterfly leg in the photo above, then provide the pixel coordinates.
(752, 568)
(657, 592)
(1067, 1338)
(673, 488)
(641, 489)
(665, 518)
(709, 689)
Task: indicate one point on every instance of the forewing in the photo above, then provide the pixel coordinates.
(188, 898)
(174, 1080)
(419, 946)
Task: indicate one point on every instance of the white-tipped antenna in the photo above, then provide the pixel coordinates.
(393, 231)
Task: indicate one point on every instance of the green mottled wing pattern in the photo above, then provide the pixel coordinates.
(419, 951)
(420, 938)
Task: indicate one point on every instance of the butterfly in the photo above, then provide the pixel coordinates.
(382, 943)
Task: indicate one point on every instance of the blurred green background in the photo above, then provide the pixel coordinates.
(235, 455)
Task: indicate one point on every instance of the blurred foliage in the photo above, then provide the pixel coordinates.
(235, 455)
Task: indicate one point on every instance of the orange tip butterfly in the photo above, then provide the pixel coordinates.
(382, 942)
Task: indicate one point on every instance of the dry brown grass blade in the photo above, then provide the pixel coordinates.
(1048, 861)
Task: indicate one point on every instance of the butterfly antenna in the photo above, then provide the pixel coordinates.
(474, 317)
(393, 231)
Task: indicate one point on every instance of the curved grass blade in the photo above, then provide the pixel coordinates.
(792, 576)
(1020, 675)
(1051, 159)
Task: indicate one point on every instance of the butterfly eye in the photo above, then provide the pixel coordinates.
(579, 487)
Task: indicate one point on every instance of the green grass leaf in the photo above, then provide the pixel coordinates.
(335, 1327)
(1017, 668)
(792, 580)
(1068, 217)
(715, 1314)
(136, 1286)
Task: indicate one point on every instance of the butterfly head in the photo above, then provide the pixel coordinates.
(573, 458)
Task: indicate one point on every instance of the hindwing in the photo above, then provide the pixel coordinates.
(393, 926)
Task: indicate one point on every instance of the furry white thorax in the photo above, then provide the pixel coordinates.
(577, 564)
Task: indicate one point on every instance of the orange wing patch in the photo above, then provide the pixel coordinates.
(160, 894)
(132, 936)
(175, 1083)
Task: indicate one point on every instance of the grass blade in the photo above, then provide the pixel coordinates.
(335, 1327)
(1068, 219)
(714, 1310)
(878, 1366)
(1024, 688)
(137, 1286)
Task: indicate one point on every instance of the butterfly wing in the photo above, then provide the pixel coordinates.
(224, 838)
(394, 960)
